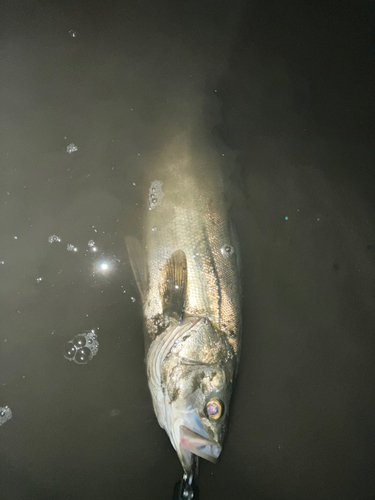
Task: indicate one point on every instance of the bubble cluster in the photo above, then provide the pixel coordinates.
(227, 251)
(82, 348)
(54, 239)
(155, 194)
(5, 414)
(71, 148)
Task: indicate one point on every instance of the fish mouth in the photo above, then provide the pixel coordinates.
(193, 443)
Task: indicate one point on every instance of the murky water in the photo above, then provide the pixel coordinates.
(88, 94)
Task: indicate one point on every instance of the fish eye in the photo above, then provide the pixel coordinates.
(214, 408)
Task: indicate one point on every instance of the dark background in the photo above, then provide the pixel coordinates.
(287, 89)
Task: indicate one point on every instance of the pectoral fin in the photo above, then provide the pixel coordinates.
(137, 257)
(172, 288)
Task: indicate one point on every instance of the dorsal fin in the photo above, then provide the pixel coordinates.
(172, 288)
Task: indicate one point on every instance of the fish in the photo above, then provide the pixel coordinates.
(187, 267)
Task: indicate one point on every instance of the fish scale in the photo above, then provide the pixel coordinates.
(200, 228)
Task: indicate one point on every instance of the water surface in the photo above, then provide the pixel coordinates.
(286, 90)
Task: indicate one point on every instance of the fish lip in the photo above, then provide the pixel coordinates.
(199, 445)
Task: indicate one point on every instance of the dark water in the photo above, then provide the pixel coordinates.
(287, 90)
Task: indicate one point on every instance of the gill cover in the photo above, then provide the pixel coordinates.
(188, 373)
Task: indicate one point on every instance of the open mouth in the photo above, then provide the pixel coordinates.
(203, 447)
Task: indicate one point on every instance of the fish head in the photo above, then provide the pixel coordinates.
(195, 385)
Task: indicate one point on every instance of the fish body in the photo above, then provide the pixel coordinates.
(187, 268)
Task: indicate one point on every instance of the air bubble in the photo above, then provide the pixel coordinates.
(155, 194)
(5, 414)
(154, 228)
(69, 350)
(79, 341)
(83, 356)
(71, 148)
(92, 343)
(227, 251)
(71, 248)
(54, 239)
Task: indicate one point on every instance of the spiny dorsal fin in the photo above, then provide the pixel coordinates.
(172, 288)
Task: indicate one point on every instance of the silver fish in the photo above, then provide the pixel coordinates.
(187, 269)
